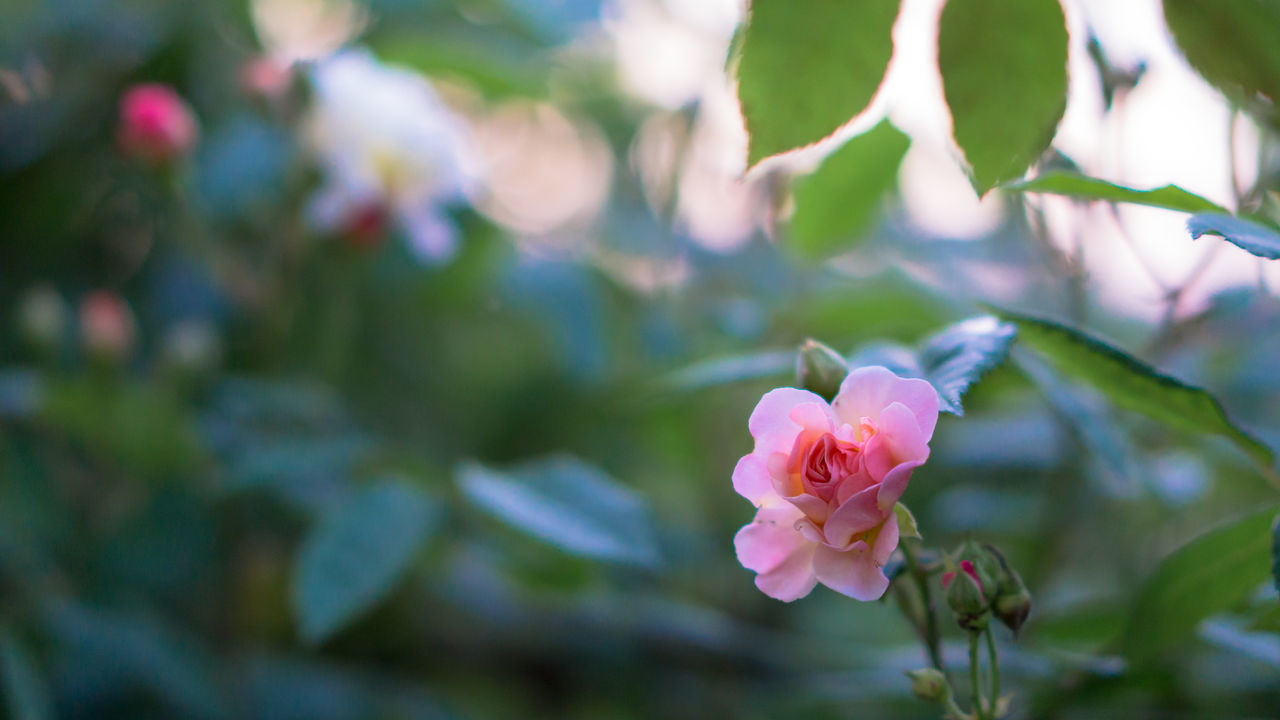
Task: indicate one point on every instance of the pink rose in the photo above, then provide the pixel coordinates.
(826, 478)
(156, 125)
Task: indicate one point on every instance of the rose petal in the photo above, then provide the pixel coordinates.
(901, 433)
(770, 422)
(772, 547)
(751, 478)
(886, 541)
(856, 515)
(853, 573)
(894, 483)
(867, 391)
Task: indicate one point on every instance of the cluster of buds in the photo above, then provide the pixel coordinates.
(983, 585)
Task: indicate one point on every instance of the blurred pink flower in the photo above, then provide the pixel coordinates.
(107, 326)
(156, 124)
(826, 477)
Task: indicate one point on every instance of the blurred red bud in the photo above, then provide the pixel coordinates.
(263, 78)
(107, 327)
(156, 124)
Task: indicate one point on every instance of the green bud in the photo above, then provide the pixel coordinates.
(1012, 602)
(966, 597)
(929, 684)
(819, 369)
(987, 564)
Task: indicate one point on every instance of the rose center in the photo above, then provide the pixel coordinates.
(827, 463)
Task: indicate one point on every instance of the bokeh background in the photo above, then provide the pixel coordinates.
(411, 386)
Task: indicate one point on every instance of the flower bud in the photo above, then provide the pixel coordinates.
(156, 125)
(107, 327)
(266, 79)
(1012, 606)
(819, 369)
(1012, 602)
(966, 596)
(42, 318)
(987, 565)
(929, 684)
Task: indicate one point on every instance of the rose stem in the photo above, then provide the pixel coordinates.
(930, 615)
(995, 670)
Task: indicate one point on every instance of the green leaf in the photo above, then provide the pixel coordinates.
(838, 202)
(1133, 385)
(1208, 575)
(960, 355)
(1004, 75)
(730, 369)
(1232, 44)
(25, 693)
(355, 554)
(1170, 197)
(907, 526)
(1275, 552)
(1253, 237)
(569, 504)
(808, 66)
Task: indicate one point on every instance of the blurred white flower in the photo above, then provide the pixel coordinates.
(390, 148)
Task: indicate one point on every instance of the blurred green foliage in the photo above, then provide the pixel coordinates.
(500, 486)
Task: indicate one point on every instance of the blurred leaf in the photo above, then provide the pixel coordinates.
(134, 424)
(731, 369)
(1004, 74)
(569, 504)
(25, 693)
(1231, 635)
(1231, 43)
(135, 650)
(1275, 552)
(1088, 625)
(808, 66)
(21, 392)
(1132, 384)
(1208, 575)
(356, 553)
(1253, 237)
(907, 526)
(1075, 185)
(960, 355)
(837, 203)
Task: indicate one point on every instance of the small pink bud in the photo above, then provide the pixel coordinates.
(263, 78)
(107, 326)
(156, 124)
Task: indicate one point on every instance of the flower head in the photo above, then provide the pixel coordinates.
(826, 477)
(156, 125)
(387, 142)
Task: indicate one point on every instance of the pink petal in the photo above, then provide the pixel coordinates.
(901, 432)
(751, 478)
(867, 391)
(771, 424)
(772, 547)
(894, 484)
(813, 416)
(886, 541)
(858, 514)
(853, 573)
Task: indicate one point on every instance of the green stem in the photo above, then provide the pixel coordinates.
(932, 638)
(994, 664)
(979, 709)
